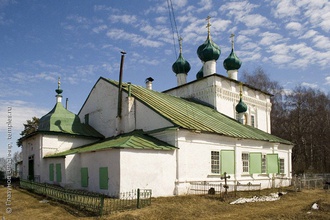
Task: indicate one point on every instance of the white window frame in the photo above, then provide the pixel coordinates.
(245, 162)
(263, 163)
(282, 166)
(215, 162)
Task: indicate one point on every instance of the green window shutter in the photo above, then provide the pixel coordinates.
(51, 172)
(272, 163)
(58, 173)
(228, 161)
(103, 177)
(255, 163)
(84, 176)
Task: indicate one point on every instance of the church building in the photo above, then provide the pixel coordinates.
(128, 136)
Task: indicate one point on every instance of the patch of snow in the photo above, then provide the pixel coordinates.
(271, 197)
(315, 206)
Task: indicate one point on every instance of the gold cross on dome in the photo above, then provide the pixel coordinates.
(59, 82)
(208, 25)
(180, 43)
(232, 40)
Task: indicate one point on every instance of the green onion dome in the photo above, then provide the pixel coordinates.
(241, 106)
(232, 62)
(200, 74)
(181, 65)
(208, 50)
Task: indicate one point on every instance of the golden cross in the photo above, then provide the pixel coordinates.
(180, 43)
(208, 25)
(232, 40)
(59, 82)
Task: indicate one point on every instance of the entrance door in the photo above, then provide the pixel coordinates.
(31, 168)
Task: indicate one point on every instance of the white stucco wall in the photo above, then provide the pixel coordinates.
(223, 94)
(31, 147)
(148, 169)
(58, 143)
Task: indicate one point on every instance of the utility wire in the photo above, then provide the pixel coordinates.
(173, 21)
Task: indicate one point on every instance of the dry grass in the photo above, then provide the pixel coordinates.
(291, 206)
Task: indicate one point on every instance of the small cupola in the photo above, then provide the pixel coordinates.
(199, 74)
(59, 91)
(232, 63)
(241, 108)
(209, 52)
(181, 67)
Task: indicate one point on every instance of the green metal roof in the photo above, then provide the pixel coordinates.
(194, 116)
(61, 120)
(134, 140)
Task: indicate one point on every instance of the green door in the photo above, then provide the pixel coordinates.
(84, 176)
(103, 174)
(31, 168)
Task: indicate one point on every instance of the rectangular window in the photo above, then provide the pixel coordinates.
(281, 165)
(263, 164)
(103, 177)
(215, 162)
(245, 162)
(252, 121)
(58, 173)
(84, 176)
(51, 172)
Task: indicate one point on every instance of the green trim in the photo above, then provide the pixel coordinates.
(103, 177)
(134, 140)
(58, 173)
(227, 161)
(84, 176)
(272, 163)
(255, 162)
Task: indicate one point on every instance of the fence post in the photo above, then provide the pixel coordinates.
(101, 205)
(138, 199)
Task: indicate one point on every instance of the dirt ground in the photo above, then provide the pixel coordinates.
(293, 205)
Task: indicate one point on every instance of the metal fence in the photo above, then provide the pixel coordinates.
(229, 190)
(93, 203)
(311, 181)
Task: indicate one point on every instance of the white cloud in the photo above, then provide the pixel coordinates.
(269, 38)
(205, 5)
(21, 111)
(126, 19)
(311, 85)
(257, 20)
(100, 28)
(295, 26)
(321, 42)
(309, 34)
(327, 80)
(120, 34)
(285, 8)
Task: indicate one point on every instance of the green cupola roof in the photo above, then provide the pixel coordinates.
(200, 74)
(232, 62)
(208, 50)
(241, 106)
(181, 65)
(60, 120)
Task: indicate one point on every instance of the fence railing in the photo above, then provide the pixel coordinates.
(94, 203)
(311, 181)
(204, 187)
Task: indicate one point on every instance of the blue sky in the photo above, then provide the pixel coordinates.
(81, 40)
